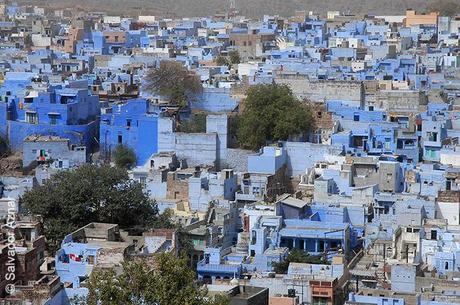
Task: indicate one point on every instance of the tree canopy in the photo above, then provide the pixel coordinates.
(124, 156)
(272, 113)
(171, 282)
(196, 123)
(222, 61)
(90, 193)
(297, 256)
(234, 57)
(173, 81)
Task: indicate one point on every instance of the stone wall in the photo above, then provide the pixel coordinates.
(238, 159)
(176, 189)
(400, 100)
(196, 148)
(321, 90)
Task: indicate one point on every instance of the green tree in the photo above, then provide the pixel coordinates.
(445, 7)
(28, 42)
(272, 113)
(171, 282)
(124, 156)
(234, 57)
(297, 256)
(173, 81)
(222, 61)
(197, 123)
(90, 193)
(164, 221)
(233, 123)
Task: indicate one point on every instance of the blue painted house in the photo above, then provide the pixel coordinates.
(434, 130)
(96, 245)
(68, 112)
(131, 124)
(315, 237)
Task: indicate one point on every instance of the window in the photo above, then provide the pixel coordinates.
(432, 136)
(53, 119)
(254, 237)
(31, 117)
(128, 123)
(387, 143)
(321, 246)
(120, 139)
(389, 177)
(430, 153)
(448, 184)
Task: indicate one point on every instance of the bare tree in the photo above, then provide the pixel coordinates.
(173, 81)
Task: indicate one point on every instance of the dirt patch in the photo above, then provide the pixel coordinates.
(11, 165)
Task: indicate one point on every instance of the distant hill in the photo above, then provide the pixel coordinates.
(189, 8)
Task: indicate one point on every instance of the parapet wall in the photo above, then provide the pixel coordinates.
(321, 90)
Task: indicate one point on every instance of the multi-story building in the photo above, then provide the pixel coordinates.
(69, 112)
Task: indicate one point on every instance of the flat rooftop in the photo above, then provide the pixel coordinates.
(41, 138)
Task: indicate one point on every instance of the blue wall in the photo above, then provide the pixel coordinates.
(77, 134)
(134, 126)
(64, 112)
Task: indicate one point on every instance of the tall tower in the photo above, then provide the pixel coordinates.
(232, 12)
